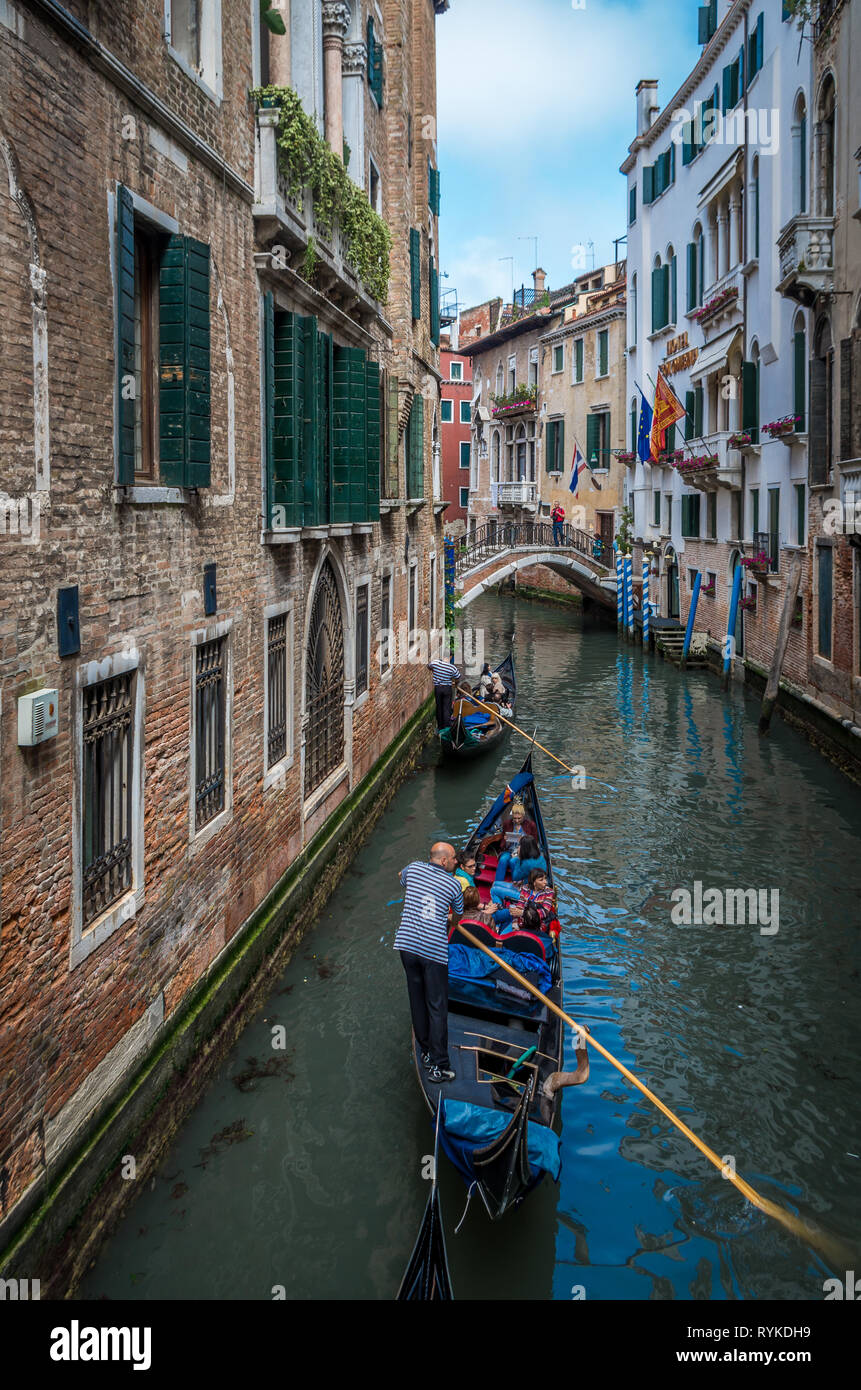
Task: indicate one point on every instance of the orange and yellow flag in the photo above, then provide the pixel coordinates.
(668, 409)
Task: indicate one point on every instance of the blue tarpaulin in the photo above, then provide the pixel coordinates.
(465, 963)
(479, 1125)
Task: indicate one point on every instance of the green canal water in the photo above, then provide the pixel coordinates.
(303, 1169)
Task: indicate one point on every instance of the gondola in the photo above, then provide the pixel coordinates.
(505, 1046)
(427, 1279)
(473, 730)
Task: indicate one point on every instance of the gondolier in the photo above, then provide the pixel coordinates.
(422, 939)
(444, 673)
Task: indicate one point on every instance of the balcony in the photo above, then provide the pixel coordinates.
(517, 495)
(726, 473)
(806, 251)
(288, 221)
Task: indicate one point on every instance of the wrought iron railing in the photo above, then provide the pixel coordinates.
(490, 539)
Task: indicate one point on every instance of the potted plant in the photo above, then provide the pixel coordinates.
(748, 605)
(708, 589)
(784, 428)
(740, 440)
(627, 458)
(757, 564)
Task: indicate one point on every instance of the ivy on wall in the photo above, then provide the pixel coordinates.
(306, 161)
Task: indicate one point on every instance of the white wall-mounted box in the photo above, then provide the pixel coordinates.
(38, 717)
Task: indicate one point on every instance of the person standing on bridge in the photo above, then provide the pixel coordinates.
(557, 516)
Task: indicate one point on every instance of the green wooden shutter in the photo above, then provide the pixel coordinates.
(670, 439)
(632, 204)
(699, 400)
(692, 275)
(603, 353)
(288, 386)
(648, 183)
(633, 429)
(308, 397)
(268, 401)
(416, 272)
(375, 64)
(593, 441)
(690, 409)
(549, 446)
(125, 328)
(825, 599)
(184, 362)
(433, 188)
(800, 376)
(819, 461)
(416, 483)
(392, 438)
(741, 66)
(372, 440)
(325, 422)
(749, 400)
(656, 299)
(349, 453)
(433, 292)
(674, 289)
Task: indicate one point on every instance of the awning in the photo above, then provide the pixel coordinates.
(482, 413)
(714, 354)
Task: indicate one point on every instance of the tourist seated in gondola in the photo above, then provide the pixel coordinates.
(513, 828)
(506, 898)
(466, 869)
(519, 862)
(485, 682)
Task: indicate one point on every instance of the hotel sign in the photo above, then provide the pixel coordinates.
(680, 355)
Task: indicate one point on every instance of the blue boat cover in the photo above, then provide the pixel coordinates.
(515, 786)
(480, 1125)
(472, 719)
(465, 963)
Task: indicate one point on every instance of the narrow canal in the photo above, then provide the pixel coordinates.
(305, 1173)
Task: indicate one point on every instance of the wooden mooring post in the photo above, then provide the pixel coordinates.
(770, 698)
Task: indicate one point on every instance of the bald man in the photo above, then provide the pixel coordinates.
(422, 939)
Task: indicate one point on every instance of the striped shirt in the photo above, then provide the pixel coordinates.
(431, 891)
(444, 672)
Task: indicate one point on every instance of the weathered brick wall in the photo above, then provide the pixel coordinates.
(139, 568)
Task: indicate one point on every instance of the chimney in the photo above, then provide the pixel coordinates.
(538, 278)
(647, 105)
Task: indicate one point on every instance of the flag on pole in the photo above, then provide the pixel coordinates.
(577, 464)
(668, 409)
(644, 448)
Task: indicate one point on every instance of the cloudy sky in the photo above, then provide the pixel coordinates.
(536, 110)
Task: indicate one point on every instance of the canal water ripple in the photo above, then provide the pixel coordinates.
(300, 1170)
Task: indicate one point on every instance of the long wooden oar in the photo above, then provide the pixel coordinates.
(530, 738)
(833, 1249)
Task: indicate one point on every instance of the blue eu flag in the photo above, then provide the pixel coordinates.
(644, 438)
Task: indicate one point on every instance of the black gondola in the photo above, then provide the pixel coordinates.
(505, 1046)
(473, 730)
(427, 1279)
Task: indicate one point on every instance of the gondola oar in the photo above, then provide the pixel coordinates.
(833, 1250)
(492, 709)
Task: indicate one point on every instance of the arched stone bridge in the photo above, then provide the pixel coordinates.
(494, 553)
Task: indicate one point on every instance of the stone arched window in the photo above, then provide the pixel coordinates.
(520, 453)
(324, 682)
(799, 155)
(500, 379)
(825, 153)
(494, 457)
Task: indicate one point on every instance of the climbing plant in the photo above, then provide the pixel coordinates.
(623, 535)
(306, 161)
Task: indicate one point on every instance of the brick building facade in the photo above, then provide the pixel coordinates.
(455, 426)
(221, 472)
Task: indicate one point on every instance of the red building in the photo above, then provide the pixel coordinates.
(455, 416)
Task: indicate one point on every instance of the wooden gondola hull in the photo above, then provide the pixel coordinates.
(497, 1121)
(427, 1277)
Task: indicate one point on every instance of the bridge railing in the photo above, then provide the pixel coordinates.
(490, 539)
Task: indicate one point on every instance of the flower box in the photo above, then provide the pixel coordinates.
(756, 564)
(708, 589)
(748, 605)
(627, 458)
(742, 440)
(783, 429)
(719, 302)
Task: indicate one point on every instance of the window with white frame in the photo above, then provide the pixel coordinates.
(210, 730)
(464, 497)
(465, 413)
(386, 633)
(533, 366)
(107, 804)
(464, 453)
(456, 371)
(512, 374)
(577, 362)
(447, 412)
(193, 33)
(558, 357)
(363, 636)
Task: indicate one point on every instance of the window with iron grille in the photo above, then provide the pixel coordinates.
(278, 697)
(362, 640)
(413, 599)
(209, 730)
(108, 742)
(324, 692)
(386, 624)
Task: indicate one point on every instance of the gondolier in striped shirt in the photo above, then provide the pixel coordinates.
(432, 892)
(444, 672)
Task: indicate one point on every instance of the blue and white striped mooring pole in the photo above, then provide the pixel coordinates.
(629, 595)
(647, 563)
(620, 590)
(692, 613)
(729, 645)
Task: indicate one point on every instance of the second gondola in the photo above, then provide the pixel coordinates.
(475, 726)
